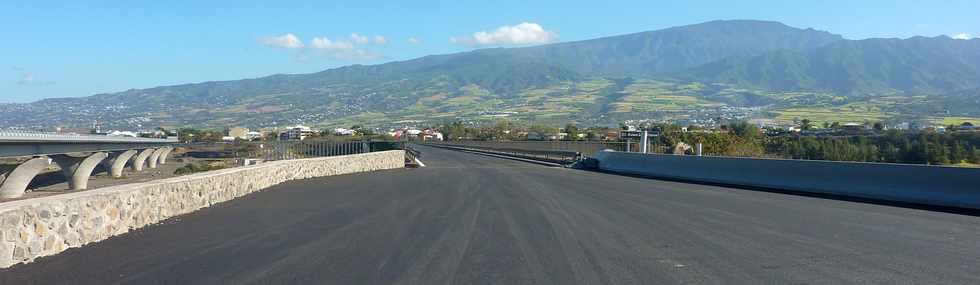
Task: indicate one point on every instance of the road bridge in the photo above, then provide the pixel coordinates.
(472, 219)
(77, 156)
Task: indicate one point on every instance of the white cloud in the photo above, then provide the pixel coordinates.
(27, 78)
(325, 43)
(289, 41)
(520, 34)
(324, 47)
(363, 40)
(359, 39)
(962, 36)
(414, 40)
(339, 50)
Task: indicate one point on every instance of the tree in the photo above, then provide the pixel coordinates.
(957, 153)
(366, 132)
(974, 155)
(455, 131)
(745, 130)
(572, 131)
(592, 135)
(502, 129)
(806, 125)
(878, 126)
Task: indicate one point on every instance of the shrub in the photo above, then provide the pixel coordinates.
(197, 167)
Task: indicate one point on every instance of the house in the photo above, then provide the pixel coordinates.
(938, 129)
(535, 136)
(556, 137)
(344, 132)
(154, 134)
(238, 133)
(397, 133)
(853, 127)
(431, 135)
(966, 126)
(253, 135)
(611, 136)
(299, 132)
(122, 134)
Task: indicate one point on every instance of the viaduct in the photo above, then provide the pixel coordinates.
(76, 155)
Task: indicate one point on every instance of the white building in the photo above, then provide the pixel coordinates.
(299, 132)
(344, 132)
(122, 134)
(253, 135)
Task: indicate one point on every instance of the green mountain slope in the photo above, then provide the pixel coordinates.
(875, 66)
(679, 48)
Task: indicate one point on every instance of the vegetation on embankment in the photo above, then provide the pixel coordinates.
(196, 167)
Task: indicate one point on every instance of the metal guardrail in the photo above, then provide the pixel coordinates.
(564, 157)
(585, 148)
(411, 153)
(588, 149)
(32, 136)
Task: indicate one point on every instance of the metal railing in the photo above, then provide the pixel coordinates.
(558, 151)
(585, 148)
(541, 154)
(282, 150)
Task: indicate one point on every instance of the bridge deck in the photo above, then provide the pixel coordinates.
(468, 219)
(16, 144)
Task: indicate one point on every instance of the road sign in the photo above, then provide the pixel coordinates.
(635, 134)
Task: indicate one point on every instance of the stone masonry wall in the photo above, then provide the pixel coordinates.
(46, 226)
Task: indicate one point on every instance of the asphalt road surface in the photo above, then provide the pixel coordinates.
(470, 219)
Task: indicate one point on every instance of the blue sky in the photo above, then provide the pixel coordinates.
(69, 48)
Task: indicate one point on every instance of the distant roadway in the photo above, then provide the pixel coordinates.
(470, 219)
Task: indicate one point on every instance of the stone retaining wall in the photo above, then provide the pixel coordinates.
(46, 226)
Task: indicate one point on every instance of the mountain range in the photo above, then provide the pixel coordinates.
(738, 69)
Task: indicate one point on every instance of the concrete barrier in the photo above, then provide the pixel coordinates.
(46, 226)
(921, 184)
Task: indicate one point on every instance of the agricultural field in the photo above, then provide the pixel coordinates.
(945, 121)
(660, 96)
(828, 115)
(870, 110)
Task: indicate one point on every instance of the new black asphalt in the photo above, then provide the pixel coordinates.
(471, 219)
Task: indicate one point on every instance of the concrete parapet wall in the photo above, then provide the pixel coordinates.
(46, 226)
(921, 184)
